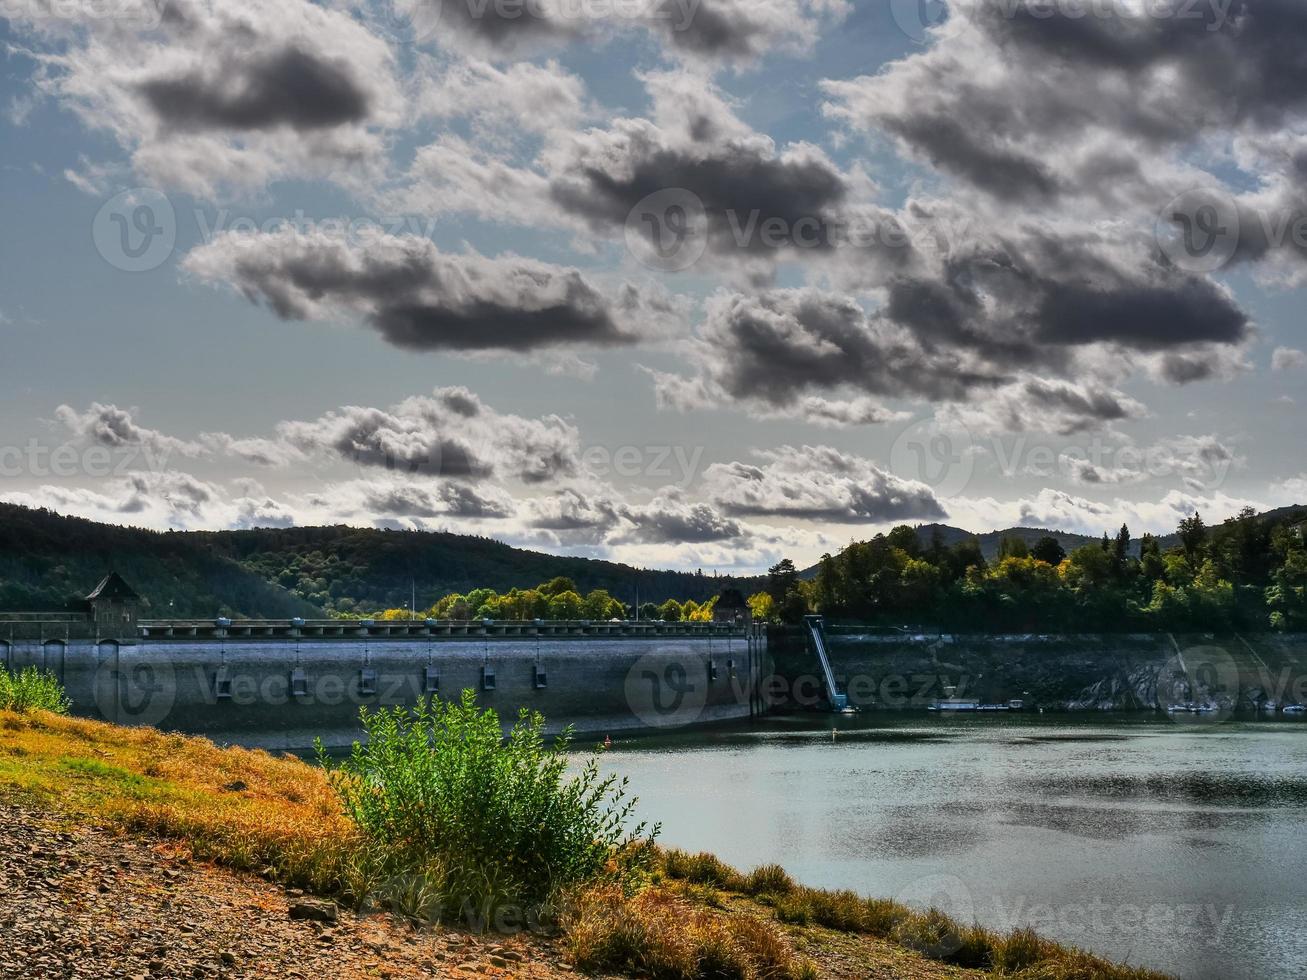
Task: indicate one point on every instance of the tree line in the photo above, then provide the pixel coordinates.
(1248, 573)
(557, 599)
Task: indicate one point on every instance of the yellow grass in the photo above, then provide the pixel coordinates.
(244, 808)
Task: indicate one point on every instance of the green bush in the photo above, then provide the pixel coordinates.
(32, 689)
(468, 822)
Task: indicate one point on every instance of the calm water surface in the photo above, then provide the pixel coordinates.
(1178, 846)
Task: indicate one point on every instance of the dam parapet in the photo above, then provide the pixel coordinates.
(286, 683)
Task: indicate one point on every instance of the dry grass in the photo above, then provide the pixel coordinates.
(1020, 954)
(244, 808)
(660, 934)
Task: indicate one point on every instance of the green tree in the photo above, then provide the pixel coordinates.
(565, 605)
(1013, 548)
(557, 585)
(1193, 539)
(670, 611)
(1049, 550)
(781, 580)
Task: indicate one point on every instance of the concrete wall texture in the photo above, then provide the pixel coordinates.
(283, 693)
(1107, 672)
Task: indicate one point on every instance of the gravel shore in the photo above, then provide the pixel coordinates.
(82, 903)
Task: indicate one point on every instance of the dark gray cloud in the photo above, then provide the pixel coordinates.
(740, 185)
(777, 345)
(673, 520)
(503, 27)
(450, 434)
(1034, 404)
(443, 500)
(1174, 312)
(214, 97)
(740, 30)
(1224, 64)
(116, 428)
(286, 87)
(960, 147)
(415, 296)
(1040, 103)
(818, 483)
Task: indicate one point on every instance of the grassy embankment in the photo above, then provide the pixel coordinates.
(648, 912)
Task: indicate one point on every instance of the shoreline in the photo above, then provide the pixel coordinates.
(247, 813)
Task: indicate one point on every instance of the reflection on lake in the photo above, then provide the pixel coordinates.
(1180, 847)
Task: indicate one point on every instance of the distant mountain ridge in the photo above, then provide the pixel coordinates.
(990, 541)
(48, 559)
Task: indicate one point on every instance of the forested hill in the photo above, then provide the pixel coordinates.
(350, 569)
(991, 541)
(48, 560)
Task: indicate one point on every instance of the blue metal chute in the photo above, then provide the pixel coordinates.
(814, 627)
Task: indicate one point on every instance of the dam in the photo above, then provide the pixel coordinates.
(281, 684)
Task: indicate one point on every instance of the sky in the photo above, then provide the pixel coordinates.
(680, 283)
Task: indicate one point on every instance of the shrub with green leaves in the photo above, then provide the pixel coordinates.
(32, 688)
(486, 821)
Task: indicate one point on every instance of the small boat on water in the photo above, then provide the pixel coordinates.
(1270, 706)
(954, 704)
(1295, 709)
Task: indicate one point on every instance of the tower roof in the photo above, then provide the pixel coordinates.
(731, 599)
(112, 586)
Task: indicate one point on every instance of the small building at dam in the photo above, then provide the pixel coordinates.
(285, 683)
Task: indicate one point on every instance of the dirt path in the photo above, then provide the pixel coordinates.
(81, 903)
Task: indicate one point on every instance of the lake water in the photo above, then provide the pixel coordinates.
(1178, 846)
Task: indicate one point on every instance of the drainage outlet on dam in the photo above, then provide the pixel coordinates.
(367, 682)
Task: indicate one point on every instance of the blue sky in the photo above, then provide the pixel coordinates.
(403, 275)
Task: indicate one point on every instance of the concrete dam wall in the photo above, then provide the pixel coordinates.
(283, 691)
(883, 669)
